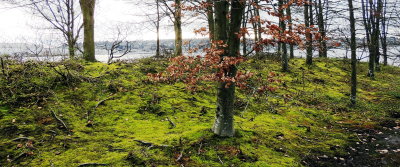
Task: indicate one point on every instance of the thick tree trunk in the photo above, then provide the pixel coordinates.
(87, 7)
(223, 125)
(308, 34)
(353, 45)
(178, 28)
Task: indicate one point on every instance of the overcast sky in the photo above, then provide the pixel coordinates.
(19, 25)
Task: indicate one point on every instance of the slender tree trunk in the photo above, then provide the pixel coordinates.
(255, 27)
(244, 25)
(259, 27)
(178, 28)
(308, 34)
(282, 26)
(223, 125)
(71, 47)
(87, 7)
(384, 34)
(158, 29)
(210, 19)
(376, 32)
(323, 52)
(290, 22)
(367, 20)
(353, 45)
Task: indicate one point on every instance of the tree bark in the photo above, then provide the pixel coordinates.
(282, 26)
(87, 7)
(323, 52)
(210, 19)
(178, 28)
(353, 45)
(307, 19)
(290, 22)
(158, 29)
(223, 125)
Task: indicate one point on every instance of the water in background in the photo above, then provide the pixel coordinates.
(55, 53)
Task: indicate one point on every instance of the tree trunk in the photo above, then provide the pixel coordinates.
(376, 32)
(290, 22)
(385, 25)
(244, 25)
(323, 52)
(308, 34)
(87, 7)
(178, 28)
(71, 47)
(210, 19)
(158, 29)
(367, 26)
(282, 26)
(255, 28)
(353, 46)
(223, 125)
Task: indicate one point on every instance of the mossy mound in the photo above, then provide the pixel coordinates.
(91, 114)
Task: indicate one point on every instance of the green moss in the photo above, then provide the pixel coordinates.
(302, 119)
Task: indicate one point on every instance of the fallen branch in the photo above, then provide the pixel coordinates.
(180, 156)
(97, 105)
(151, 145)
(102, 101)
(21, 138)
(24, 154)
(92, 164)
(171, 123)
(58, 119)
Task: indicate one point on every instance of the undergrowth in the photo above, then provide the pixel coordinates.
(76, 113)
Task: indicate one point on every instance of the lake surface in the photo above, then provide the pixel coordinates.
(362, 54)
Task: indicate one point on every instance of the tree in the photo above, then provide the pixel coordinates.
(353, 46)
(175, 12)
(210, 18)
(290, 24)
(87, 7)
(371, 17)
(118, 45)
(323, 52)
(223, 125)
(256, 23)
(62, 15)
(219, 64)
(307, 19)
(283, 47)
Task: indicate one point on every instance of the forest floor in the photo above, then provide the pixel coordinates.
(92, 114)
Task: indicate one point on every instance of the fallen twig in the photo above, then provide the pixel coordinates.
(101, 102)
(171, 123)
(92, 164)
(151, 145)
(21, 138)
(58, 119)
(199, 150)
(180, 156)
(219, 158)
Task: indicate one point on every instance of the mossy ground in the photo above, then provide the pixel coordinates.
(305, 119)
